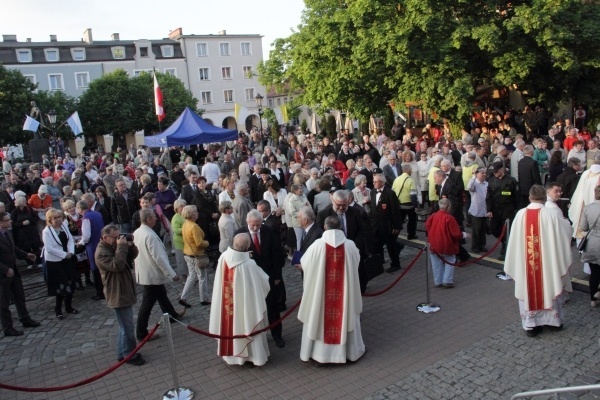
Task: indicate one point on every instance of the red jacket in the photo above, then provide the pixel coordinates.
(443, 233)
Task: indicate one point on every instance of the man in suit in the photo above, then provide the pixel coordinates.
(123, 203)
(446, 189)
(529, 174)
(306, 218)
(385, 220)
(11, 285)
(268, 218)
(253, 182)
(457, 188)
(353, 225)
(391, 170)
(268, 254)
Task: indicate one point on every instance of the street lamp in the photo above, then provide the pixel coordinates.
(259, 100)
(52, 119)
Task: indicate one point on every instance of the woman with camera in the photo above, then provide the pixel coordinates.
(59, 252)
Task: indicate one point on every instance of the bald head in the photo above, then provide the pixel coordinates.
(241, 242)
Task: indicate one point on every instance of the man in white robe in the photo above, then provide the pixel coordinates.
(538, 258)
(331, 301)
(553, 192)
(239, 306)
(584, 195)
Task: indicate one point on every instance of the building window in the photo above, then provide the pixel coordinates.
(82, 80)
(247, 71)
(55, 82)
(51, 55)
(143, 52)
(24, 55)
(171, 71)
(270, 103)
(204, 74)
(78, 54)
(138, 72)
(224, 49)
(202, 49)
(228, 95)
(118, 52)
(250, 94)
(278, 102)
(206, 97)
(32, 78)
(167, 51)
(246, 49)
(226, 72)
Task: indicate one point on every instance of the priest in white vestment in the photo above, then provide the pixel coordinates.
(538, 258)
(584, 195)
(331, 301)
(239, 306)
(553, 193)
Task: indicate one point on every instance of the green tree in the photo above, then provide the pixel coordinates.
(359, 55)
(304, 125)
(331, 127)
(116, 103)
(64, 106)
(16, 93)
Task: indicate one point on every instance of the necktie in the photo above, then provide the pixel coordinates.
(195, 187)
(303, 236)
(256, 242)
(343, 222)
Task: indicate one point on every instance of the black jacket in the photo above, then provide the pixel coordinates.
(122, 210)
(271, 257)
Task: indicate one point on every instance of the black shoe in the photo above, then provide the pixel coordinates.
(393, 269)
(483, 250)
(279, 342)
(554, 328)
(136, 360)
(475, 251)
(96, 298)
(412, 237)
(72, 311)
(205, 303)
(448, 285)
(13, 332)
(29, 323)
(534, 332)
(501, 258)
(282, 307)
(185, 303)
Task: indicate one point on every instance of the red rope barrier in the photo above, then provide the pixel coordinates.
(88, 380)
(382, 291)
(462, 264)
(215, 336)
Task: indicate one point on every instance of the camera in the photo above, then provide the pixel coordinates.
(127, 236)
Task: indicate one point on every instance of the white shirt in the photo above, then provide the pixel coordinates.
(211, 172)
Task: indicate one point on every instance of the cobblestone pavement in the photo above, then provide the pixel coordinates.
(473, 348)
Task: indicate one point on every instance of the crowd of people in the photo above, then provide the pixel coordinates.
(245, 207)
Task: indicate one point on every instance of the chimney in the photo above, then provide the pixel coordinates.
(115, 37)
(53, 38)
(28, 40)
(176, 34)
(9, 38)
(223, 32)
(87, 36)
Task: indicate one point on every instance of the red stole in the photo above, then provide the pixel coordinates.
(334, 293)
(533, 255)
(226, 345)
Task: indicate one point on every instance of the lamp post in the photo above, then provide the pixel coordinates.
(52, 120)
(259, 100)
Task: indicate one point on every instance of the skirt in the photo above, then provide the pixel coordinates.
(62, 277)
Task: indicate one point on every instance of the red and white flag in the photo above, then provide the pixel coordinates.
(158, 101)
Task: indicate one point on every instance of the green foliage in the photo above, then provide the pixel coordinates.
(63, 104)
(330, 127)
(16, 93)
(118, 104)
(304, 125)
(359, 55)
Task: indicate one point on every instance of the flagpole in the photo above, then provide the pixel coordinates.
(155, 80)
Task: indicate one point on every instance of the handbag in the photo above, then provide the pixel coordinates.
(202, 262)
(374, 265)
(583, 243)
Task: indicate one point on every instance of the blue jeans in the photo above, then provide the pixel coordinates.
(442, 272)
(126, 338)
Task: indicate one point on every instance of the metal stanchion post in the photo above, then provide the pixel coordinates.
(428, 307)
(177, 393)
(502, 275)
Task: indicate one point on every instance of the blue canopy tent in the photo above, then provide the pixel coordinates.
(190, 129)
